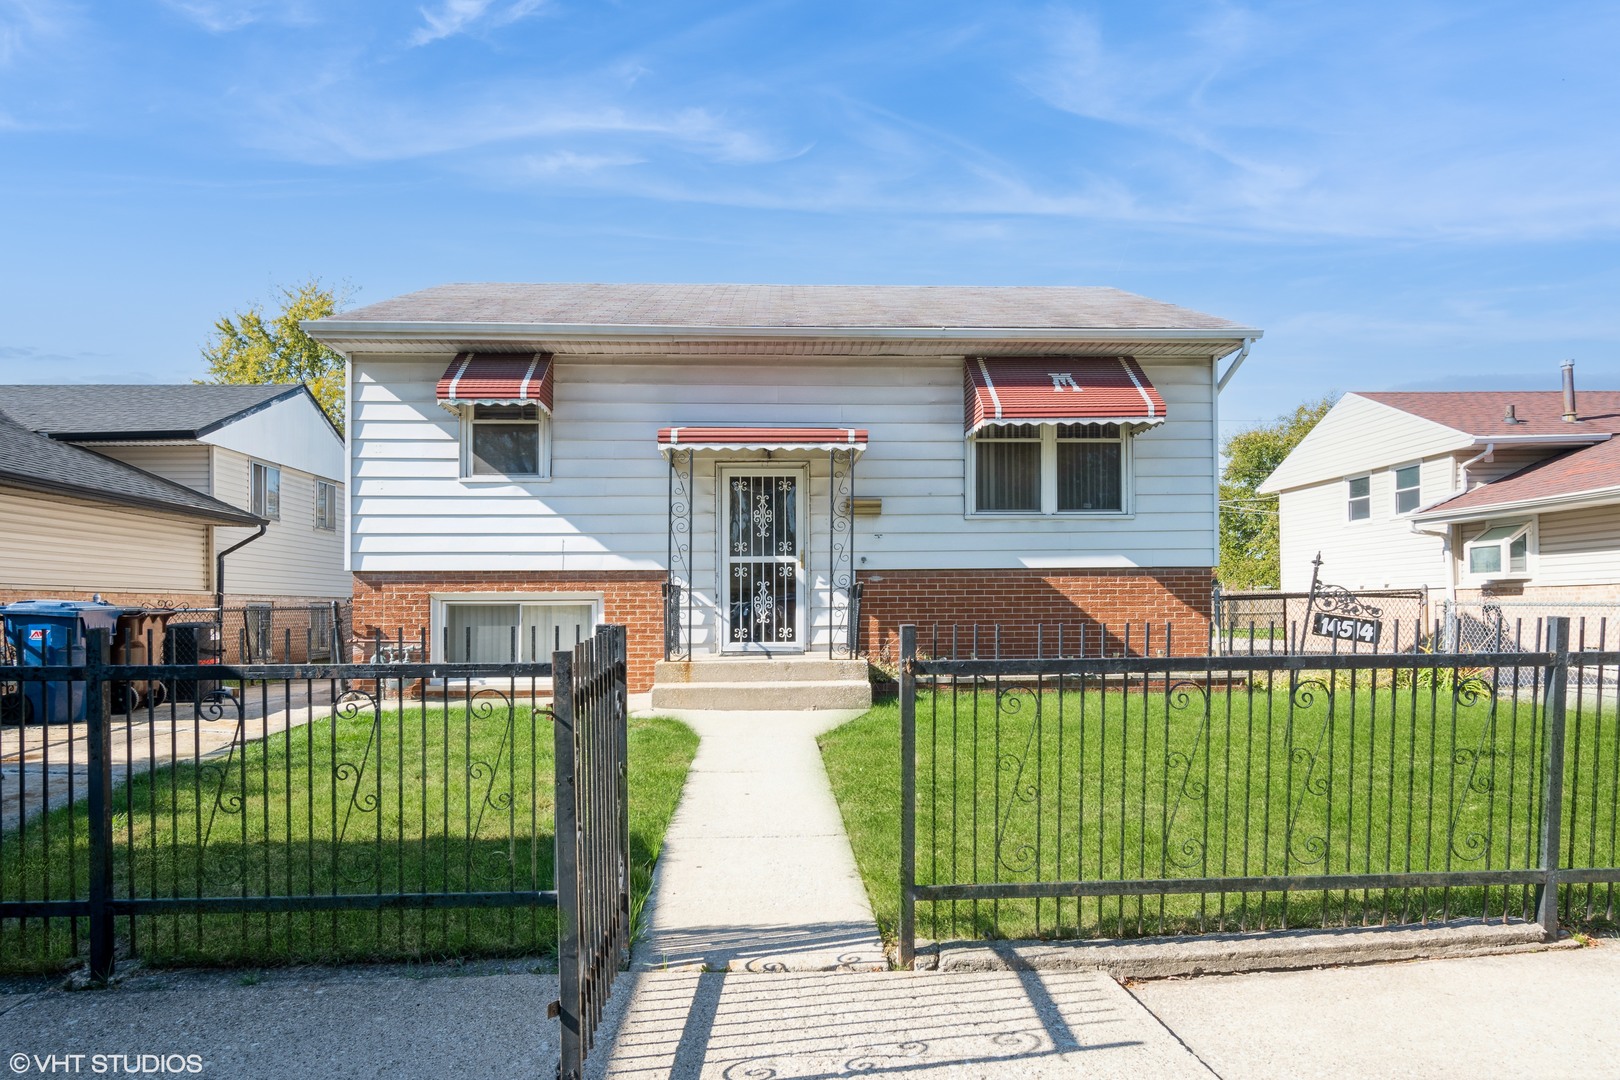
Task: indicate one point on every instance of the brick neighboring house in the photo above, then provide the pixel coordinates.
(135, 491)
(1489, 496)
(782, 471)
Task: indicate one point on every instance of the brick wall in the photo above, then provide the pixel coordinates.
(1020, 600)
(123, 599)
(389, 602)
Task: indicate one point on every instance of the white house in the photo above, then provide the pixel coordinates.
(1477, 494)
(175, 495)
(776, 470)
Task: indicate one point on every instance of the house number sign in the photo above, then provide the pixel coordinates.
(1346, 627)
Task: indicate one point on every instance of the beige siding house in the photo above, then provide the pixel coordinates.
(153, 484)
(1487, 496)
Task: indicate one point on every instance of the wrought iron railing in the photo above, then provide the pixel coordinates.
(1082, 797)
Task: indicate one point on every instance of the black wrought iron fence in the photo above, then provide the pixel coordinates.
(318, 812)
(1082, 797)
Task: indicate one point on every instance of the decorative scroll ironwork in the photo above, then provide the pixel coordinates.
(678, 582)
(1190, 789)
(1010, 701)
(842, 588)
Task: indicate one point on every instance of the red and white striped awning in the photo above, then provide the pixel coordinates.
(1059, 390)
(761, 438)
(497, 379)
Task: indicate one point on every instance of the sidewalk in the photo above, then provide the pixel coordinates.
(756, 873)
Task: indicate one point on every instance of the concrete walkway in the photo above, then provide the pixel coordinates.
(1510, 1017)
(756, 873)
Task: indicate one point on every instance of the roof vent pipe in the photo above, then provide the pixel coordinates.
(1569, 391)
(1508, 417)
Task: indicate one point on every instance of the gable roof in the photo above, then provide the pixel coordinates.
(849, 307)
(1481, 412)
(34, 462)
(115, 411)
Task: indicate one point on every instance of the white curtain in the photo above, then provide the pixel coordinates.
(489, 630)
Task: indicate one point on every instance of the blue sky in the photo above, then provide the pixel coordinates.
(1402, 196)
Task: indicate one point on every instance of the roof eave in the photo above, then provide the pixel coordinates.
(1569, 501)
(227, 515)
(330, 330)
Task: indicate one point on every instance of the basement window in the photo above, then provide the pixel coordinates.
(527, 631)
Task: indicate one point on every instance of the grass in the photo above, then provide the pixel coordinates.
(440, 799)
(1109, 785)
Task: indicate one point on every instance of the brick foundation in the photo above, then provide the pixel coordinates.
(1021, 600)
(389, 602)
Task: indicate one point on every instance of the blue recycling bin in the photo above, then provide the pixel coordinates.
(48, 633)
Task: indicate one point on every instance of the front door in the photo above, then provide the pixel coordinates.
(763, 563)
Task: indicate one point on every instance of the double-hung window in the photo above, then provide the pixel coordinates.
(1360, 504)
(506, 441)
(1408, 482)
(1050, 469)
(325, 505)
(265, 485)
(1500, 551)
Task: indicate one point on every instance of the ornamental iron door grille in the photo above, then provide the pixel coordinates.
(763, 560)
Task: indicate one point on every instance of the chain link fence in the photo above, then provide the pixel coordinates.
(1486, 625)
(1280, 622)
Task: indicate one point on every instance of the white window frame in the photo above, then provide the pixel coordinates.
(468, 422)
(439, 602)
(259, 497)
(1395, 482)
(1522, 529)
(1350, 499)
(326, 506)
(1049, 478)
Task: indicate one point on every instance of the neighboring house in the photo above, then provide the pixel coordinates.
(1479, 494)
(134, 491)
(777, 470)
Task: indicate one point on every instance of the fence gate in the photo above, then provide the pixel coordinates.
(593, 835)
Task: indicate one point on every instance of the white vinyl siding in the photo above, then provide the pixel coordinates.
(56, 542)
(293, 557)
(1360, 435)
(1379, 552)
(1578, 547)
(184, 464)
(606, 505)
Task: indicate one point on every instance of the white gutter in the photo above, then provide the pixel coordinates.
(1237, 362)
(325, 329)
(1487, 454)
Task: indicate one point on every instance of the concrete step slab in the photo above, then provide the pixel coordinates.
(759, 669)
(758, 696)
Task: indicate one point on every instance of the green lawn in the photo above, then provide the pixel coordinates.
(1244, 782)
(437, 799)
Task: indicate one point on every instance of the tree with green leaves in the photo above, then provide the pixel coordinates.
(251, 347)
(1248, 519)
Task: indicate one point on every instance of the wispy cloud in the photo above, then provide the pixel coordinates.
(224, 16)
(452, 17)
(24, 23)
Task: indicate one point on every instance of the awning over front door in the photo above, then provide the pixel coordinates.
(761, 438)
(1059, 390)
(497, 379)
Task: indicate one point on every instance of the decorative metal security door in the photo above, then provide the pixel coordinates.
(764, 560)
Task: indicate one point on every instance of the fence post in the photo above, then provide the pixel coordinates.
(572, 1059)
(908, 797)
(98, 714)
(1552, 800)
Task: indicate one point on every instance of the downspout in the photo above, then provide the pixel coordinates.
(1445, 530)
(1237, 362)
(219, 569)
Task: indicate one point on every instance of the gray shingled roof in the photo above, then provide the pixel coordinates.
(37, 463)
(130, 411)
(783, 307)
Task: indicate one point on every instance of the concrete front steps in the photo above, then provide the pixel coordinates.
(759, 684)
